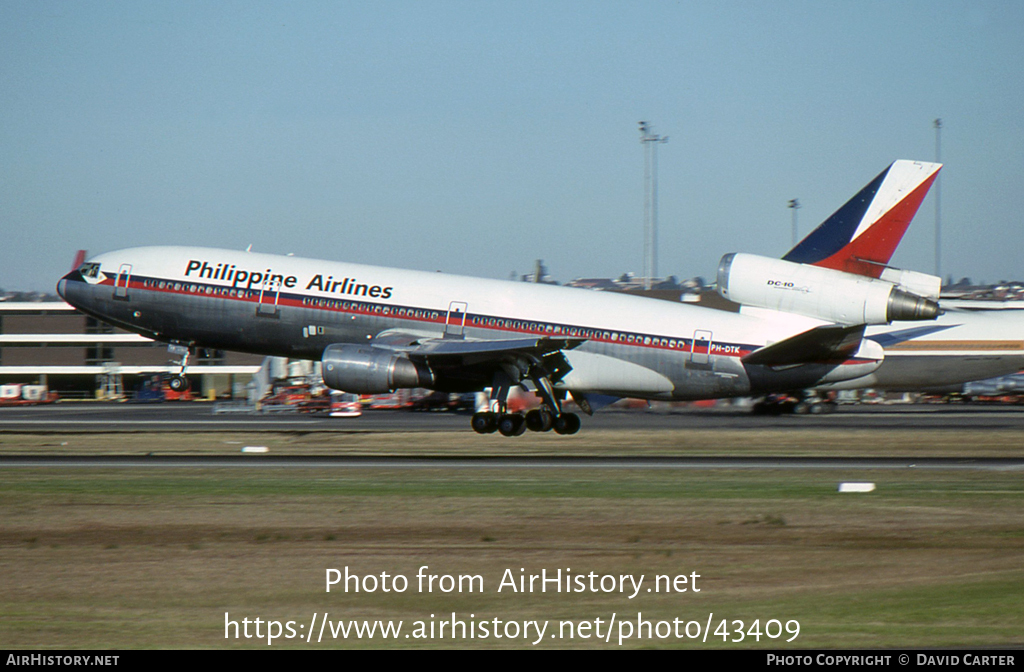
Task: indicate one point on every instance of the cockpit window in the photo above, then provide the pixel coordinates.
(89, 270)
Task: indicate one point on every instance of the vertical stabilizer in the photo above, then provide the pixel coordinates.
(862, 236)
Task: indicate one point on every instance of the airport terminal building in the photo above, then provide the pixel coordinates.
(51, 343)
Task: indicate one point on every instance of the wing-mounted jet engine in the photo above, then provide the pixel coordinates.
(362, 369)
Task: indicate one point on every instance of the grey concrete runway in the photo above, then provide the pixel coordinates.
(194, 417)
(353, 462)
(96, 417)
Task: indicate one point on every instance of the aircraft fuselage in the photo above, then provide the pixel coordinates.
(293, 307)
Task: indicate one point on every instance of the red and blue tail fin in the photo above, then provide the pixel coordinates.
(862, 236)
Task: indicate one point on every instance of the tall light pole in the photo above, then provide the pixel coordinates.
(938, 200)
(650, 141)
(794, 205)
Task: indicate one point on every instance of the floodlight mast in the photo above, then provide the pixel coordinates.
(794, 205)
(650, 141)
(938, 238)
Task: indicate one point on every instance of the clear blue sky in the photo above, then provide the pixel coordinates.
(474, 137)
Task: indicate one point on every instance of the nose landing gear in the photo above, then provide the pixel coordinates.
(178, 382)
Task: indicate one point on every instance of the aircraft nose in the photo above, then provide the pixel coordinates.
(62, 284)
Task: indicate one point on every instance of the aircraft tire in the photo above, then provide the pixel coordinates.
(540, 420)
(484, 422)
(178, 383)
(511, 424)
(567, 423)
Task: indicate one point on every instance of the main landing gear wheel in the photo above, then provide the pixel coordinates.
(540, 420)
(567, 423)
(485, 422)
(515, 424)
(511, 424)
(522, 371)
(178, 383)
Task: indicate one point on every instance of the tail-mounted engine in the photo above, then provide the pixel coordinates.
(362, 369)
(827, 294)
(921, 284)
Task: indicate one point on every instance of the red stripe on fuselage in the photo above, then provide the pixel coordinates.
(252, 296)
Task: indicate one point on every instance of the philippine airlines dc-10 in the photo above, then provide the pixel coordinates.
(376, 329)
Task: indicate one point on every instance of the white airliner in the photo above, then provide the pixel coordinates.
(801, 323)
(970, 340)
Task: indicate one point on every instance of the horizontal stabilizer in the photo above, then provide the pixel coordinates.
(828, 343)
(893, 337)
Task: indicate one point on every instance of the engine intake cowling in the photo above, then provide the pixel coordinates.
(362, 369)
(823, 293)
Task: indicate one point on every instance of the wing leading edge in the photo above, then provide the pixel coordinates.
(420, 346)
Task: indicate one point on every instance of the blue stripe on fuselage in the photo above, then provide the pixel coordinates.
(435, 317)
